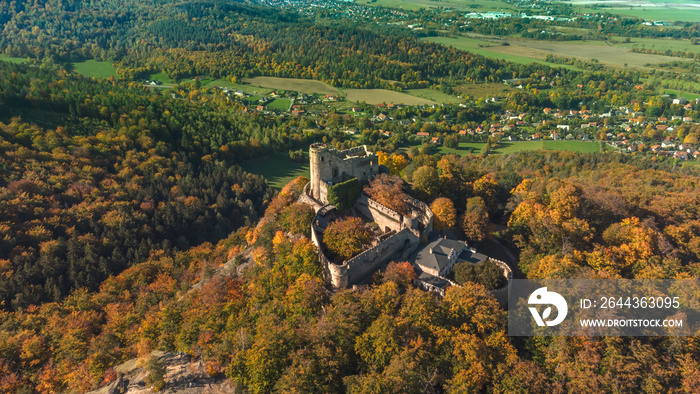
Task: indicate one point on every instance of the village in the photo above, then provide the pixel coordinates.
(624, 129)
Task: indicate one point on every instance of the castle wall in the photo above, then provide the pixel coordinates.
(398, 247)
(501, 294)
(422, 212)
(336, 274)
(383, 216)
(323, 192)
(306, 198)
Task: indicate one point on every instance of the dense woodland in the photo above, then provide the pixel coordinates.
(127, 171)
(278, 328)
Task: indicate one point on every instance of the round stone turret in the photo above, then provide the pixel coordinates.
(318, 159)
(339, 275)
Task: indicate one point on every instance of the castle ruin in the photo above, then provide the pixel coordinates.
(401, 233)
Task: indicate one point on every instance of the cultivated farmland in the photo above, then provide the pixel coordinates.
(524, 51)
(298, 85)
(376, 96)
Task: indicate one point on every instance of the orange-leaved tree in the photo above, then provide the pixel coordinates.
(346, 237)
(401, 273)
(388, 191)
(445, 215)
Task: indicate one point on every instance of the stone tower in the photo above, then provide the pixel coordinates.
(319, 156)
(329, 166)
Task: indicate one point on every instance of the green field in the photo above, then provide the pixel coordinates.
(434, 95)
(678, 93)
(252, 99)
(660, 44)
(670, 13)
(309, 86)
(162, 77)
(13, 59)
(94, 69)
(480, 6)
(472, 45)
(277, 168)
(242, 87)
(505, 147)
(280, 104)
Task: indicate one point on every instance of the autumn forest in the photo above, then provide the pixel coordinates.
(128, 225)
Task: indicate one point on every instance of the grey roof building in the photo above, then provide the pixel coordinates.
(438, 257)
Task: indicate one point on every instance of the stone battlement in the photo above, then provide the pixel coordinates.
(422, 212)
(502, 293)
(374, 249)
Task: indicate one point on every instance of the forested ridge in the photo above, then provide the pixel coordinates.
(119, 202)
(238, 40)
(112, 179)
(276, 328)
(232, 40)
(196, 128)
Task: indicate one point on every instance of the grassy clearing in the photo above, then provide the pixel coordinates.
(484, 90)
(95, 69)
(521, 50)
(493, 50)
(660, 44)
(342, 105)
(280, 104)
(277, 168)
(611, 55)
(10, 59)
(252, 99)
(678, 93)
(244, 88)
(309, 86)
(434, 95)
(481, 6)
(464, 149)
(162, 77)
(376, 96)
(573, 146)
(506, 147)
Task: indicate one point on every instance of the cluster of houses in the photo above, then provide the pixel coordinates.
(623, 128)
(502, 15)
